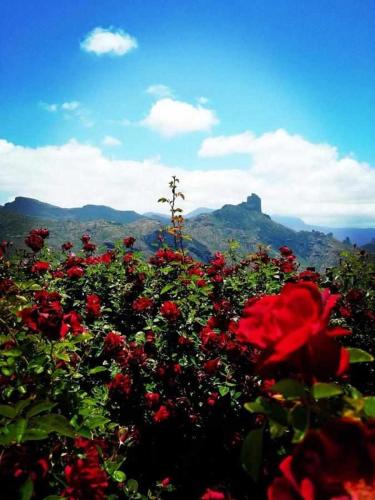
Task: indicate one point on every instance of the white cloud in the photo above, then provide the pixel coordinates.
(159, 90)
(110, 141)
(292, 175)
(110, 41)
(202, 100)
(71, 109)
(225, 145)
(170, 117)
(70, 106)
(51, 108)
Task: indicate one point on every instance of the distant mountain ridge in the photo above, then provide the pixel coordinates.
(28, 206)
(245, 223)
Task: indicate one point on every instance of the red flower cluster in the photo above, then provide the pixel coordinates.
(129, 241)
(121, 383)
(142, 304)
(332, 462)
(75, 272)
(47, 316)
(85, 478)
(67, 246)
(35, 239)
(170, 310)
(93, 306)
(40, 267)
(293, 327)
(113, 342)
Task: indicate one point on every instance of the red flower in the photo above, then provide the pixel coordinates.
(40, 267)
(293, 327)
(89, 247)
(285, 251)
(170, 310)
(113, 342)
(161, 414)
(85, 478)
(329, 463)
(152, 398)
(67, 246)
(165, 482)
(211, 366)
(93, 308)
(75, 272)
(85, 238)
(129, 241)
(142, 304)
(35, 242)
(212, 495)
(121, 383)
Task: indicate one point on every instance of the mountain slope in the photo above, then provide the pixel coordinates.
(244, 223)
(28, 206)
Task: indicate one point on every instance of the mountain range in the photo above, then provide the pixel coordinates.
(210, 231)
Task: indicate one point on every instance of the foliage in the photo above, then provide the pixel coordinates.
(123, 377)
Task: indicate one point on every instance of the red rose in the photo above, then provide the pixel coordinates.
(113, 342)
(35, 242)
(285, 251)
(129, 241)
(213, 495)
(170, 310)
(89, 247)
(40, 267)
(93, 308)
(121, 383)
(162, 414)
(142, 304)
(293, 327)
(84, 477)
(330, 463)
(211, 366)
(152, 398)
(75, 272)
(85, 238)
(67, 246)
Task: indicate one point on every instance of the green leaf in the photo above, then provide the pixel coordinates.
(322, 390)
(167, 288)
(35, 435)
(21, 425)
(299, 419)
(26, 490)
(21, 405)
(370, 406)
(119, 476)
(289, 388)
(252, 452)
(14, 353)
(97, 369)
(8, 411)
(223, 390)
(359, 356)
(132, 485)
(56, 423)
(40, 408)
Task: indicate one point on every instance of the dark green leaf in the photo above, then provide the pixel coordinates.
(370, 406)
(323, 390)
(55, 423)
(8, 411)
(40, 408)
(252, 452)
(289, 388)
(359, 356)
(26, 490)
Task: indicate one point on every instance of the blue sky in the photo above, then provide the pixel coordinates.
(307, 68)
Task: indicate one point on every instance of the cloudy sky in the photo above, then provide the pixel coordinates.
(102, 101)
